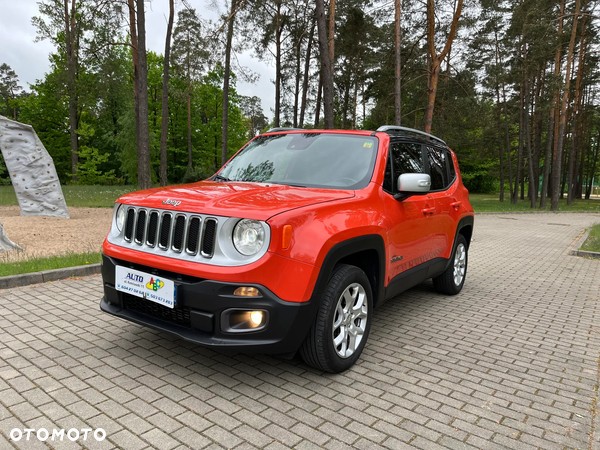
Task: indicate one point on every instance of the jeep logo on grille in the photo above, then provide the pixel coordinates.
(171, 202)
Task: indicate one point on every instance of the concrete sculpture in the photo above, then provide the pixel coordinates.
(5, 243)
(31, 170)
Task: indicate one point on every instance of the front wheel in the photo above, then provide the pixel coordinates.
(452, 280)
(337, 337)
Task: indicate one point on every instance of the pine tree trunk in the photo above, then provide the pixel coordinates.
(319, 97)
(297, 84)
(345, 101)
(355, 104)
(553, 123)
(519, 179)
(72, 88)
(398, 60)
(136, 76)
(278, 66)
(144, 175)
(436, 60)
(331, 34)
(537, 129)
(577, 113)
(547, 157)
(499, 123)
(326, 66)
(563, 113)
(226, 76)
(508, 147)
(532, 187)
(588, 191)
(165, 99)
(190, 162)
(306, 75)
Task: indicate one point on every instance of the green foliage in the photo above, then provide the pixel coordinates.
(476, 177)
(88, 168)
(198, 174)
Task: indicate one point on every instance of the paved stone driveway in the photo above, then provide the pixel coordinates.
(510, 362)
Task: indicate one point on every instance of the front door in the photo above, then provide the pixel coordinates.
(411, 221)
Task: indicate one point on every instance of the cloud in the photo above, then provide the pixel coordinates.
(29, 59)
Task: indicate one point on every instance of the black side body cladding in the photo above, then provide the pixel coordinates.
(429, 269)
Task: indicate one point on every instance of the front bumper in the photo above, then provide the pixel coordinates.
(200, 303)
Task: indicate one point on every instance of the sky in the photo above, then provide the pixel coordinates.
(29, 59)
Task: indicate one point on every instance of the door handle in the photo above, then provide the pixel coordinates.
(428, 211)
(456, 205)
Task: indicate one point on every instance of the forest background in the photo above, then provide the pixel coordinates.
(511, 86)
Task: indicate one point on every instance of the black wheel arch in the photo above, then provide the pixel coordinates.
(366, 252)
(464, 228)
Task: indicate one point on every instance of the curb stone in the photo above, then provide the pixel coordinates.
(576, 252)
(49, 275)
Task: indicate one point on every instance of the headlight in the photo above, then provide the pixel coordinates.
(248, 237)
(120, 217)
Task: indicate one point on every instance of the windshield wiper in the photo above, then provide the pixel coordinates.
(285, 184)
(218, 177)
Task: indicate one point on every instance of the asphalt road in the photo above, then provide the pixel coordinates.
(511, 362)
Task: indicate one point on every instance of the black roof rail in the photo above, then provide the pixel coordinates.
(273, 130)
(392, 128)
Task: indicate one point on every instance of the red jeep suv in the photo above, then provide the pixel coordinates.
(293, 243)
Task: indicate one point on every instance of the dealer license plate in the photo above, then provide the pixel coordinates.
(147, 286)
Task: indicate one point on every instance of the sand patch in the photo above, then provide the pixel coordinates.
(50, 236)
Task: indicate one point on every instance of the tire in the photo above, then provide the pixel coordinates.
(337, 337)
(452, 280)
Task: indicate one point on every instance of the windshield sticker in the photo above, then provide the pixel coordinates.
(368, 145)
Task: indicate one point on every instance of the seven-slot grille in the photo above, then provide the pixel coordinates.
(171, 231)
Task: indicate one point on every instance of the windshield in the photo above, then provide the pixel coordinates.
(321, 160)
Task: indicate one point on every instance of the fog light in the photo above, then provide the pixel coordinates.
(240, 320)
(247, 292)
(256, 317)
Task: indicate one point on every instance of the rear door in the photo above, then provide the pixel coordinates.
(441, 169)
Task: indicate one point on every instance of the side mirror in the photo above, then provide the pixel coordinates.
(412, 184)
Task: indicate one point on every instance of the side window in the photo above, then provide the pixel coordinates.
(437, 168)
(451, 165)
(407, 158)
(387, 180)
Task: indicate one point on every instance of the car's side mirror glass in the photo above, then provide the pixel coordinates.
(412, 184)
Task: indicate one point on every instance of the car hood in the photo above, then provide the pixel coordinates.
(258, 201)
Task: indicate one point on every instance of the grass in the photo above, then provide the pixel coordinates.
(54, 262)
(490, 203)
(77, 196)
(592, 243)
(105, 196)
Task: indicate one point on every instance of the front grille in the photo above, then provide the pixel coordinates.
(193, 235)
(208, 237)
(129, 224)
(178, 316)
(171, 232)
(165, 230)
(179, 233)
(152, 229)
(141, 227)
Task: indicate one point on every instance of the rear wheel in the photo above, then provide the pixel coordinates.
(337, 337)
(451, 281)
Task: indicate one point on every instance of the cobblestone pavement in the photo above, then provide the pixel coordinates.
(511, 362)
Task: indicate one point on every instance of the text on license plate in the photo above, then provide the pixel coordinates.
(145, 285)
